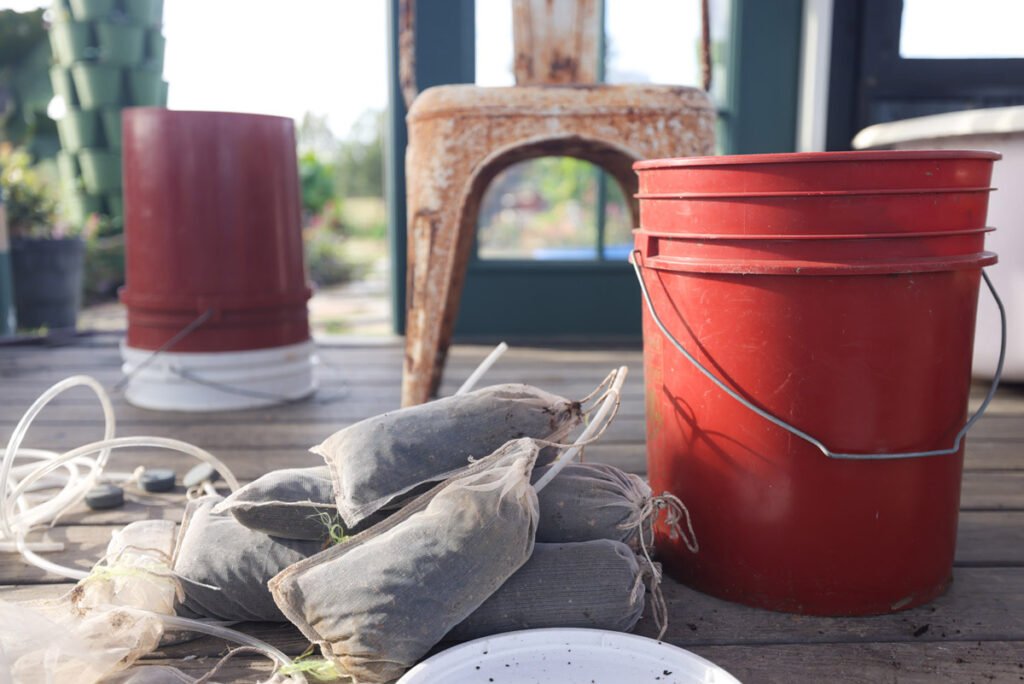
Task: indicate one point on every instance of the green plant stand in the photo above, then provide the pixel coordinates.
(67, 171)
(89, 10)
(145, 12)
(97, 85)
(145, 88)
(155, 46)
(78, 129)
(101, 170)
(71, 41)
(63, 85)
(111, 120)
(120, 43)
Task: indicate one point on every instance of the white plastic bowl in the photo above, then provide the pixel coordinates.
(566, 656)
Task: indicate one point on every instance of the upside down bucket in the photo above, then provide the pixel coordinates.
(828, 302)
(215, 284)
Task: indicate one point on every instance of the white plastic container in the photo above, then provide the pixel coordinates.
(566, 656)
(218, 381)
(1000, 129)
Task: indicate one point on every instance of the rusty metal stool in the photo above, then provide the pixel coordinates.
(461, 136)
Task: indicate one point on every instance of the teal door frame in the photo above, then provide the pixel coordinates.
(531, 299)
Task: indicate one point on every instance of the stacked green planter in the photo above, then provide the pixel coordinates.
(107, 55)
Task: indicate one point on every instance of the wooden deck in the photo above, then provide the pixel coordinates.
(974, 633)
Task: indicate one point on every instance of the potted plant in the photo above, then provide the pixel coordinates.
(46, 256)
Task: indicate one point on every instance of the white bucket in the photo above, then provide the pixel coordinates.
(218, 381)
(1000, 129)
(566, 656)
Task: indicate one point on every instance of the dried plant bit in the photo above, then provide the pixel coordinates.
(397, 455)
(594, 584)
(375, 604)
(224, 566)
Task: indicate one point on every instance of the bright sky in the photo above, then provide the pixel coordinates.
(959, 28)
(329, 57)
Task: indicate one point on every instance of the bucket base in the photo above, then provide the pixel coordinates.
(218, 381)
(846, 601)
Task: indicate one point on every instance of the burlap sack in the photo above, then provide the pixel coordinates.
(233, 562)
(378, 602)
(597, 584)
(398, 454)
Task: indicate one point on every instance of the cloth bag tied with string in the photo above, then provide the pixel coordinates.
(599, 501)
(292, 503)
(376, 603)
(223, 566)
(596, 584)
(395, 455)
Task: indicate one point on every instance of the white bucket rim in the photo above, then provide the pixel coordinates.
(219, 381)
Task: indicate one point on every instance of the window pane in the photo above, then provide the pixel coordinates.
(544, 209)
(955, 29)
(655, 41)
(493, 50)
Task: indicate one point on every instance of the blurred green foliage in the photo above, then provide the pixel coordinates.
(318, 182)
(25, 88)
(342, 183)
(29, 194)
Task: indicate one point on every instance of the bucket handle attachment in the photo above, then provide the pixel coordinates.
(634, 260)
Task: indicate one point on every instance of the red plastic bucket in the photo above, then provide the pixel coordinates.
(837, 293)
(213, 230)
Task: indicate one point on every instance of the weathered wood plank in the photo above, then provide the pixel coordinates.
(994, 490)
(982, 604)
(871, 663)
(987, 539)
(990, 538)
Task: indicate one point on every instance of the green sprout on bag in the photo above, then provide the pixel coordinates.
(320, 669)
(335, 531)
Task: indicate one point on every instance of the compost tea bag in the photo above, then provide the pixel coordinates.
(292, 503)
(594, 501)
(233, 561)
(375, 604)
(93, 631)
(386, 457)
(596, 584)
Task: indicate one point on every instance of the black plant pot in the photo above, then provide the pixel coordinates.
(47, 281)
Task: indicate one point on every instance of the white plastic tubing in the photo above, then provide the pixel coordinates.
(82, 471)
(17, 517)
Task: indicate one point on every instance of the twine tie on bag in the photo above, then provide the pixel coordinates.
(675, 510)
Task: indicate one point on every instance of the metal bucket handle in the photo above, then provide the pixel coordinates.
(800, 433)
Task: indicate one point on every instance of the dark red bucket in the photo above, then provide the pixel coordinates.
(213, 229)
(835, 293)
